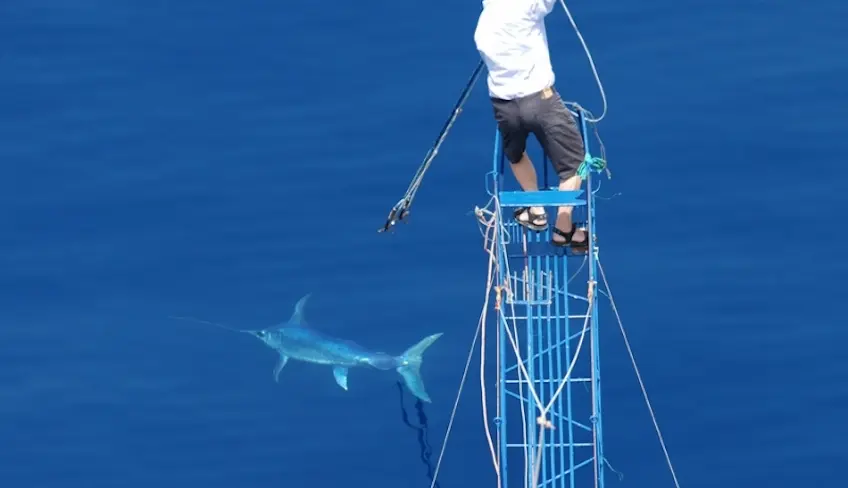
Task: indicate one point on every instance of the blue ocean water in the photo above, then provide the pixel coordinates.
(221, 159)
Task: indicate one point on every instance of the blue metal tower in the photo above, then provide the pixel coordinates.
(549, 423)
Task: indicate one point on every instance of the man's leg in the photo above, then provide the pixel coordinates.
(557, 132)
(525, 173)
(514, 147)
(564, 220)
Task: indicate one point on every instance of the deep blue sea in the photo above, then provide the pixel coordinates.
(222, 159)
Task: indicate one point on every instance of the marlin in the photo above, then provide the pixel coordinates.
(295, 339)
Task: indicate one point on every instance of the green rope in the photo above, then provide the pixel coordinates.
(592, 164)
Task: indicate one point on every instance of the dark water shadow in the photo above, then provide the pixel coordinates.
(422, 430)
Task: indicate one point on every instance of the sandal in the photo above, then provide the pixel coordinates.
(525, 217)
(580, 246)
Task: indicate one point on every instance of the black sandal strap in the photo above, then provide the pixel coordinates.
(566, 235)
(538, 220)
(584, 244)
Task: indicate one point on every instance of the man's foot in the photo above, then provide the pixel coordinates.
(531, 218)
(567, 238)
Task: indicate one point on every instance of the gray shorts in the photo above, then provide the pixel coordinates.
(543, 115)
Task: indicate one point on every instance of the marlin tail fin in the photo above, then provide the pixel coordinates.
(410, 364)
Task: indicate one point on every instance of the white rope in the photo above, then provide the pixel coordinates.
(490, 249)
(638, 376)
(483, 317)
(490, 226)
(490, 223)
(589, 118)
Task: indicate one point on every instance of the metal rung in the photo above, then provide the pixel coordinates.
(544, 198)
(533, 303)
(545, 317)
(559, 444)
(557, 381)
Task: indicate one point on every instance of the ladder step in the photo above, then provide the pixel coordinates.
(552, 445)
(517, 250)
(545, 317)
(544, 198)
(555, 381)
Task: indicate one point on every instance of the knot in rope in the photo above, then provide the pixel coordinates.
(545, 423)
(592, 163)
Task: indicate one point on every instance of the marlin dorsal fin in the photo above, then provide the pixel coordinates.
(298, 318)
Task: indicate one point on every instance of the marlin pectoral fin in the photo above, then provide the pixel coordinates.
(279, 367)
(340, 374)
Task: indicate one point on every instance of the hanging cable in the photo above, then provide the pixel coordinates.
(589, 118)
(638, 376)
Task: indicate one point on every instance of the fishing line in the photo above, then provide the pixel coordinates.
(223, 326)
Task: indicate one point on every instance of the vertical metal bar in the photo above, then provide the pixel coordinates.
(597, 439)
(531, 378)
(539, 377)
(568, 392)
(501, 421)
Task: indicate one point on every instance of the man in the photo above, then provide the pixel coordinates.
(512, 41)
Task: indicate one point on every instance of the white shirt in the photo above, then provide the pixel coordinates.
(512, 41)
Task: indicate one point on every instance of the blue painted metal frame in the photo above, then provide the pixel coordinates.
(538, 298)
